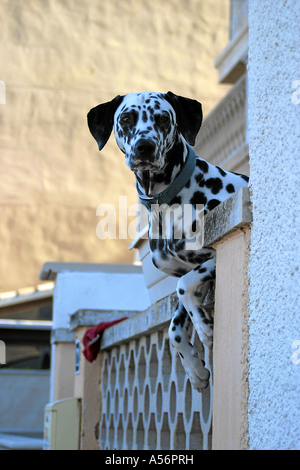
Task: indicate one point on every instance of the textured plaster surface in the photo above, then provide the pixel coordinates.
(274, 129)
(74, 291)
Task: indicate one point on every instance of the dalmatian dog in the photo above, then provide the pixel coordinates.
(156, 132)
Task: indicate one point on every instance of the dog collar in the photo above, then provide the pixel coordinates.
(168, 194)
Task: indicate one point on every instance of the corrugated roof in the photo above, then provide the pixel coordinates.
(26, 294)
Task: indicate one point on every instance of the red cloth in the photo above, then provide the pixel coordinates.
(92, 338)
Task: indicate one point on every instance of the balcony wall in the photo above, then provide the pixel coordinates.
(136, 395)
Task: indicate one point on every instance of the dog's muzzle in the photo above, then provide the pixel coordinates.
(144, 155)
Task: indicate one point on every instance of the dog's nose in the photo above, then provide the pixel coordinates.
(145, 148)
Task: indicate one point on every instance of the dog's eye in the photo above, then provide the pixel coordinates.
(125, 119)
(162, 118)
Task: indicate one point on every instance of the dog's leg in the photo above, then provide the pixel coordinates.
(190, 356)
(192, 289)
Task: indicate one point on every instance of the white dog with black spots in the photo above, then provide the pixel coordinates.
(156, 131)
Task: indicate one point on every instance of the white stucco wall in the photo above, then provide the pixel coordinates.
(101, 290)
(274, 129)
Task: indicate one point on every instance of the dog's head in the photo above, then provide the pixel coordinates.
(146, 125)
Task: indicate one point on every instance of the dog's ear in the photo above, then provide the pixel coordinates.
(188, 114)
(101, 120)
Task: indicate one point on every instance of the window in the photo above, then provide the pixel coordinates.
(25, 329)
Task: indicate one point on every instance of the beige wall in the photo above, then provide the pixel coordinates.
(59, 59)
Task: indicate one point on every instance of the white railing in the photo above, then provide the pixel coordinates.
(147, 399)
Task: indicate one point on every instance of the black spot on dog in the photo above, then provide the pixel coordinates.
(215, 185)
(200, 259)
(179, 272)
(200, 179)
(176, 200)
(230, 188)
(201, 270)
(153, 244)
(197, 294)
(201, 313)
(202, 165)
(177, 339)
(144, 116)
(212, 204)
(244, 177)
(191, 256)
(180, 319)
(209, 277)
(222, 172)
(161, 244)
(198, 198)
(181, 291)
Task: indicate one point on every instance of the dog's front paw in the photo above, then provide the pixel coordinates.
(205, 334)
(195, 368)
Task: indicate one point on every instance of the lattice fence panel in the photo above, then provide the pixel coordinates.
(147, 400)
